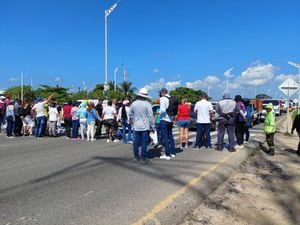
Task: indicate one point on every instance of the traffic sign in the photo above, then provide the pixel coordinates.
(289, 87)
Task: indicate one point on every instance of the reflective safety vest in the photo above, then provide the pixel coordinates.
(269, 126)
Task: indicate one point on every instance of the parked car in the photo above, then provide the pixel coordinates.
(277, 104)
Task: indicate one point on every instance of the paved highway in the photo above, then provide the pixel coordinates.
(55, 181)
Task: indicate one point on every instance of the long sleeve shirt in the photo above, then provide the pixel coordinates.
(142, 115)
(269, 123)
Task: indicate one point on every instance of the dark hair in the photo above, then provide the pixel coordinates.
(69, 102)
(124, 114)
(91, 106)
(246, 101)
(109, 103)
(238, 98)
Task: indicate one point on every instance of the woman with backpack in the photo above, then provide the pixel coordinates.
(123, 116)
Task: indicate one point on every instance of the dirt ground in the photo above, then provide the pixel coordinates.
(264, 190)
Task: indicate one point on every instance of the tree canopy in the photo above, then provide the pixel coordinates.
(190, 94)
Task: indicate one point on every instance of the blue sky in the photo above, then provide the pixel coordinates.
(167, 43)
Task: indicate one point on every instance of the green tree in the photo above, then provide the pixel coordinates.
(60, 93)
(127, 90)
(15, 92)
(97, 92)
(183, 92)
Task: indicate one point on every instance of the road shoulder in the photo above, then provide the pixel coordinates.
(264, 190)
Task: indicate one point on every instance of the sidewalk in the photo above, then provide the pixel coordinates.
(264, 190)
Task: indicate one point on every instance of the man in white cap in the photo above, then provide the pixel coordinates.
(143, 121)
(2, 110)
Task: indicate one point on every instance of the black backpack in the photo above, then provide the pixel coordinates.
(172, 109)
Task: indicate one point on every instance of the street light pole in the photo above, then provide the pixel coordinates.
(106, 14)
(227, 74)
(115, 76)
(105, 48)
(22, 86)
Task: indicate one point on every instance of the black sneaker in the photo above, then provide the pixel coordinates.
(146, 161)
(232, 150)
(219, 149)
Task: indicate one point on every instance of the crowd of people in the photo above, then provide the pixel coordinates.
(76, 120)
(84, 120)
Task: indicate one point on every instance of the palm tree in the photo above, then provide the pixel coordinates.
(127, 90)
(111, 85)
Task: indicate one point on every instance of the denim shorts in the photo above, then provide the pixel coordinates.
(183, 123)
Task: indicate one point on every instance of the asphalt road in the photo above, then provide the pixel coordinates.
(55, 181)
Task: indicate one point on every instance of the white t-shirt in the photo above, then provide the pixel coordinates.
(39, 108)
(109, 112)
(203, 108)
(53, 114)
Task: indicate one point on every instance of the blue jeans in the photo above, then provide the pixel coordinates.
(140, 138)
(10, 125)
(75, 126)
(39, 125)
(159, 134)
(167, 135)
(203, 128)
(1, 120)
(247, 133)
(124, 126)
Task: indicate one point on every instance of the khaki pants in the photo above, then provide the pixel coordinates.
(90, 131)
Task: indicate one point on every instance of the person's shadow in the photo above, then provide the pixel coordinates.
(289, 150)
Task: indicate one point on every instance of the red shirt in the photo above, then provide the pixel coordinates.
(67, 111)
(183, 112)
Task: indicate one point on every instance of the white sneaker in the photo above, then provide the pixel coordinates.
(165, 157)
(186, 146)
(107, 140)
(87, 139)
(93, 139)
(130, 142)
(173, 156)
(116, 140)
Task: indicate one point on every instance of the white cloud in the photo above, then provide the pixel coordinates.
(156, 85)
(283, 77)
(13, 79)
(173, 85)
(57, 79)
(255, 76)
(209, 81)
(155, 70)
